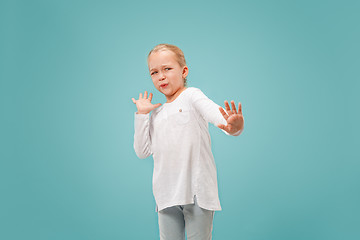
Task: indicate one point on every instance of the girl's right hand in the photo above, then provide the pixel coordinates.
(144, 105)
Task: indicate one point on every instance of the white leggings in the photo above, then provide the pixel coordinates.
(173, 221)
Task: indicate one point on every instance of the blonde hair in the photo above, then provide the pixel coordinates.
(179, 55)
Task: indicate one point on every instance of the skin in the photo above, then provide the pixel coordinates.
(168, 78)
(164, 69)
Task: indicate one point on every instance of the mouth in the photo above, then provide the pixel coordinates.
(163, 85)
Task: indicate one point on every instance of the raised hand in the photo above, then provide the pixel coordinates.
(234, 119)
(144, 104)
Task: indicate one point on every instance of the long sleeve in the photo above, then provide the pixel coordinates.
(209, 110)
(142, 140)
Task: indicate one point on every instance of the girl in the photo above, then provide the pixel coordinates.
(176, 135)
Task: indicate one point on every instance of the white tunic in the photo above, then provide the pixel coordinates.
(177, 136)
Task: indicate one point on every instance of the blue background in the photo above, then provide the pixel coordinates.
(70, 68)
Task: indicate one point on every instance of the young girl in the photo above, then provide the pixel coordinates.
(176, 135)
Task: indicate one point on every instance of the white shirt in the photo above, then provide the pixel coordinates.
(177, 136)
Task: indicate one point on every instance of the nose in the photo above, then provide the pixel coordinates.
(161, 76)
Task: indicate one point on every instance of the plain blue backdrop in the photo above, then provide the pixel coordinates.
(68, 72)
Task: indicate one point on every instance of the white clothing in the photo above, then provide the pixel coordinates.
(177, 136)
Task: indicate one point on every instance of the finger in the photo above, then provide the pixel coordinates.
(233, 107)
(221, 126)
(223, 113)
(227, 107)
(150, 96)
(240, 110)
(140, 96)
(157, 105)
(145, 94)
(134, 101)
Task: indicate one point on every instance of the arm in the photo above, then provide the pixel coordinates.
(142, 141)
(231, 124)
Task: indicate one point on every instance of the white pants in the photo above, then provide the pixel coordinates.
(173, 221)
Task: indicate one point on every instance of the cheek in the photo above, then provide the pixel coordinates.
(154, 82)
(175, 76)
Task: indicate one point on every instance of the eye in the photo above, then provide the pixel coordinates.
(168, 68)
(153, 73)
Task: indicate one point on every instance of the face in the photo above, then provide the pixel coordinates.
(166, 74)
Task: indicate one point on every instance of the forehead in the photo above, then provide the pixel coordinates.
(158, 59)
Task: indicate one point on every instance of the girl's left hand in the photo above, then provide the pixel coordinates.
(234, 119)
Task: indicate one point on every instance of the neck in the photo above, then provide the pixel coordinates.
(175, 95)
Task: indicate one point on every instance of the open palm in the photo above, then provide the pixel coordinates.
(144, 104)
(234, 118)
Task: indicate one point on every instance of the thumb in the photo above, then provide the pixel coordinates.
(221, 126)
(157, 105)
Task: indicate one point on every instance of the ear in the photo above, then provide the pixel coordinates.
(185, 71)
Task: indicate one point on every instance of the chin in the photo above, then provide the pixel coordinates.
(166, 90)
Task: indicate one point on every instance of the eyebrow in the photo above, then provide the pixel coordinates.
(161, 65)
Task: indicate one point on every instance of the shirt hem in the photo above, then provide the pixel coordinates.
(157, 208)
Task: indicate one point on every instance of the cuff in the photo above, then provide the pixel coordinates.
(141, 116)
